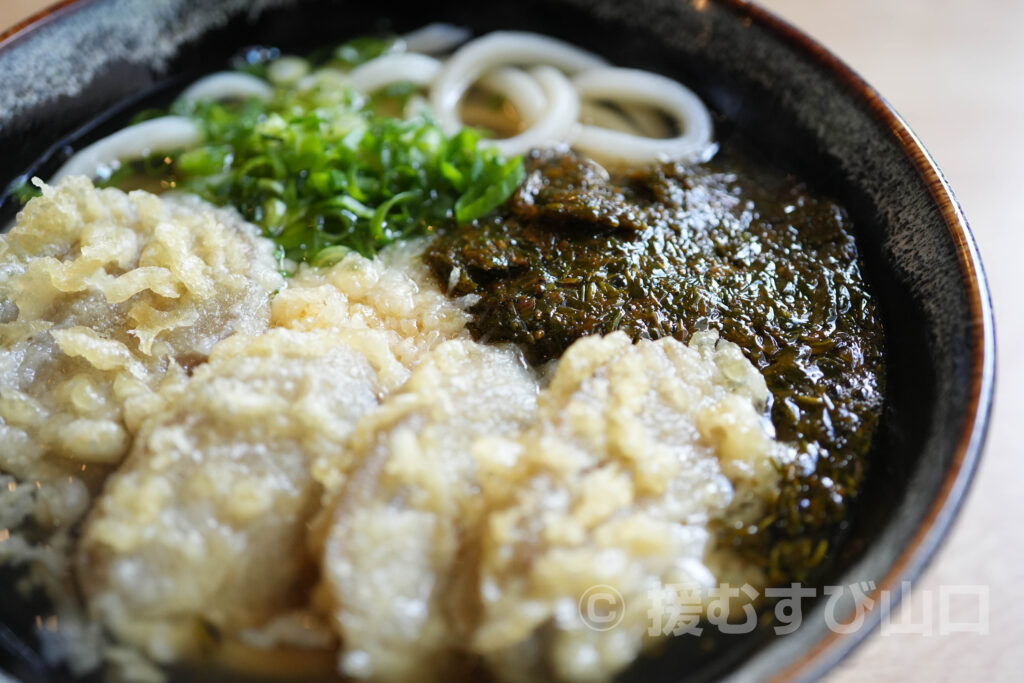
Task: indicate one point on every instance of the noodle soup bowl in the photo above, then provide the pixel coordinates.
(80, 70)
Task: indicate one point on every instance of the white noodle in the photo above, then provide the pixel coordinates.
(519, 88)
(133, 142)
(556, 124)
(226, 85)
(435, 39)
(287, 70)
(325, 76)
(501, 48)
(549, 105)
(632, 85)
(396, 68)
(416, 106)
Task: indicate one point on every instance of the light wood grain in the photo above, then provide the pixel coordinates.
(954, 71)
(13, 11)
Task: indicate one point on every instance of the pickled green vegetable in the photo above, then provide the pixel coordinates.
(670, 250)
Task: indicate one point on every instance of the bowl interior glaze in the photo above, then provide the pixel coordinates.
(78, 72)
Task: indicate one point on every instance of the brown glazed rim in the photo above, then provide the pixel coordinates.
(36, 20)
(833, 647)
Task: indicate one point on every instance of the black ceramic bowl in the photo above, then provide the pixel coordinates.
(77, 72)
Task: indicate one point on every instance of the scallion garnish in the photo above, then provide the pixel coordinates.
(320, 170)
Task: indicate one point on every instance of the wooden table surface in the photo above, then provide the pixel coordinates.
(954, 71)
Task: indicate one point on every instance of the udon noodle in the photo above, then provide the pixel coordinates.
(549, 97)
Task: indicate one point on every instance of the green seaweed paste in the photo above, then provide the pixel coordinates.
(671, 249)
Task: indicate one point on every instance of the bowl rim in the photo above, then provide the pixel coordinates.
(830, 649)
(932, 531)
(35, 20)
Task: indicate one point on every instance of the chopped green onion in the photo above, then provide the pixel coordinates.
(321, 171)
(479, 202)
(328, 256)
